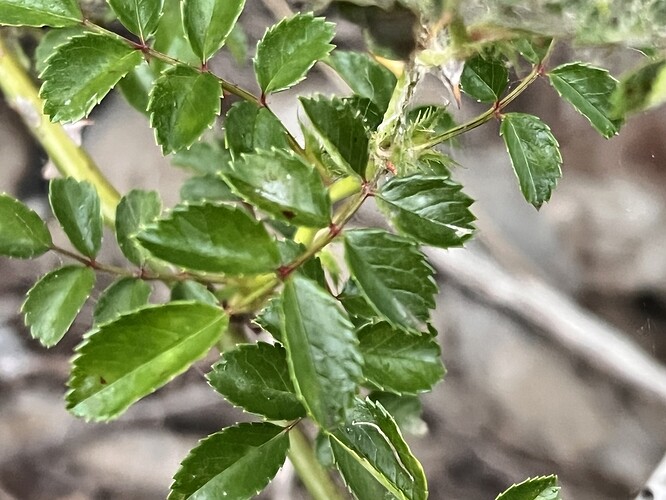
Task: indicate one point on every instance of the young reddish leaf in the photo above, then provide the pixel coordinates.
(23, 234)
(235, 463)
(76, 205)
(289, 49)
(122, 361)
(52, 305)
(82, 71)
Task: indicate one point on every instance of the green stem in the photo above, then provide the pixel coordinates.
(314, 476)
(70, 160)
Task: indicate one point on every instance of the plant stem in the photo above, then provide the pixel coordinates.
(70, 160)
(315, 478)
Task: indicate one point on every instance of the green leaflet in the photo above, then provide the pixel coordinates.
(427, 122)
(213, 238)
(51, 40)
(136, 86)
(535, 155)
(365, 76)
(249, 128)
(183, 104)
(124, 360)
(55, 13)
(269, 318)
(393, 274)
(256, 378)
(538, 488)
(207, 24)
(81, 72)
(23, 234)
(138, 16)
(405, 410)
(397, 362)
(371, 437)
(484, 78)
(641, 89)
(431, 209)
(123, 296)
(322, 350)
(135, 210)
(289, 49)
(206, 188)
(170, 37)
(589, 90)
(53, 303)
(341, 129)
(235, 463)
(76, 205)
(283, 185)
(191, 290)
(203, 158)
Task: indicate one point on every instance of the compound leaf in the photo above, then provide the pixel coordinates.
(124, 360)
(138, 16)
(371, 437)
(538, 488)
(123, 296)
(341, 128)
(76, 205)
(54, 302)
(54, 13)
(484, 78)
(256, 378)
(322, 350)
(235, 463)
(397, 362)
(82, 71)
(135, 210)
(249, 128)
(207, 24)
(213, 238)
(289, 49)
(431, 209)
(365, 76)
(23, 234)
(393, 274)
(535, 155)
(283, 185)
(183, 104)
(589, 90)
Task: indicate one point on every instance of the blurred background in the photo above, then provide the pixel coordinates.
(552, 323)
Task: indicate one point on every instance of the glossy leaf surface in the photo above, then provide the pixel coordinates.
(249, 128)
(393, 274)
(53, 303)
(431, 209)
(341, 129)
(191, 290)
(538, 488)
(256, 378)
(397, 362)
(23, 234)
(123, 296)
(372, 438)
(289, 49)
(54, 13)
(484, 78)
(183, 104)
(283, 185)
(81, 72)
(322, 350)
(365, 76)
(76, 205)
(135, 210)
(213, 238)
(235, 463)
(535, 155)
(589, 90)
(208, 24)
(138, 16)
(124, 360)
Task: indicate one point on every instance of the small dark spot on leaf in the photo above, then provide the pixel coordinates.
(288, 214)
(102, 381)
